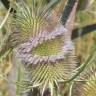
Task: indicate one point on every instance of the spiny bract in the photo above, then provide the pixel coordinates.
(86, 86)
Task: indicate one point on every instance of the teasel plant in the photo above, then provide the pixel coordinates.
(41, 49)
(44, 46)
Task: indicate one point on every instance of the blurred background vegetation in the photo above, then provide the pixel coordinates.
(85, 16)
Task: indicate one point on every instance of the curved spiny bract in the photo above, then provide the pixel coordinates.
(86, 83)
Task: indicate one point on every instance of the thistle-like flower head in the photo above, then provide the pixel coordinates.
(44, 47)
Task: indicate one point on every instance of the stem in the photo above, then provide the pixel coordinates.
(85, 30)
(5, 19)
(18, 80)
(54, 91)
(70, 90)
(67, 11)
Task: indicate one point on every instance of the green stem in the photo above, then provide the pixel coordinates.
(5, 19)
(18, 87)
(70, 90)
